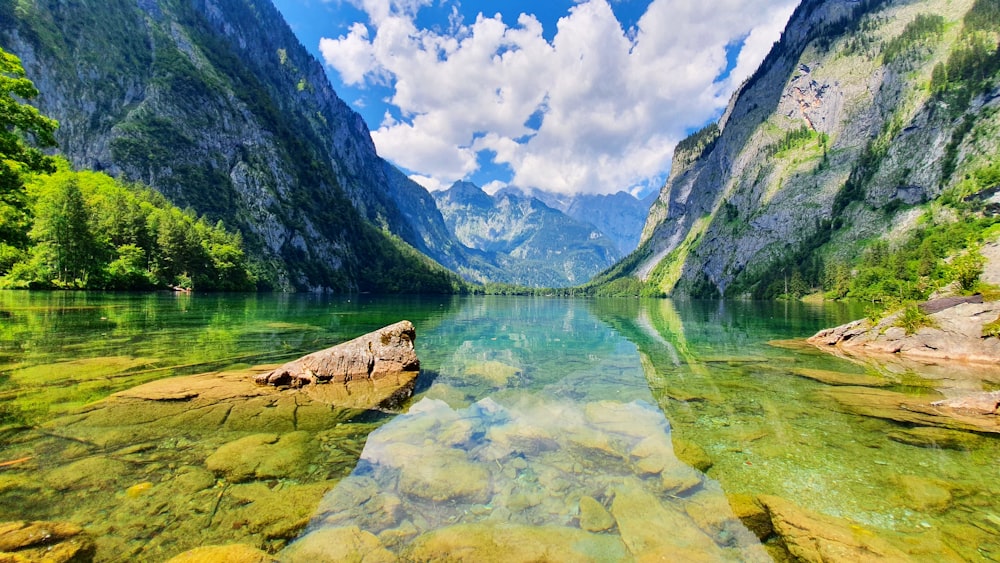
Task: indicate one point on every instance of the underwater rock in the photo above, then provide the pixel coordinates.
(490, 542)
(931, 437)
(261, 456)
(343, 545)
(235, 553)
(55, 542)
(593, 516)
(816, 538)
(923, 494)
(651, 529)
(97, 471)
(840, 378)
(880, 403)
(385, 353)
(493, 372)
(521, 483)
(692, 454)
(753, 515)
(446, 475)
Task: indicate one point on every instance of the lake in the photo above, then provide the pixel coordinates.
(568, 428)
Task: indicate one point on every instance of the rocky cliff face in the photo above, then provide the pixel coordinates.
(217, 105)
(528, 242)
(833, 141)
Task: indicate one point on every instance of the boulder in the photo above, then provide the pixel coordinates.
(382, 354)
(56, 542)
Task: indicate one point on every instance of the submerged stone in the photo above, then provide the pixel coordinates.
(753, 515)
(652, 529)
(55, 542)
(841, 378)
(444, 476)
(931, 437)
(691, 454)
(815, 537)
(343, 545)
(489, 542)
(235, 553)
(593, 516)
(923, 494)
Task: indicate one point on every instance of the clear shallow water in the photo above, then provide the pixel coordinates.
(492, 369)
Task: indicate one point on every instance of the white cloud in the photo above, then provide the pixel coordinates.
(612, 104)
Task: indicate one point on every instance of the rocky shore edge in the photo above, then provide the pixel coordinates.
(954, 331)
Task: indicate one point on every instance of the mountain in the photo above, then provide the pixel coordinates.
(215, 104)
(866, 122)
(620, 216)
(529, 242)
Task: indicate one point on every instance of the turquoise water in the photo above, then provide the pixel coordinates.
(542, 401)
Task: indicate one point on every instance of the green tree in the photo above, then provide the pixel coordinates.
(62, 226)
(21, 126)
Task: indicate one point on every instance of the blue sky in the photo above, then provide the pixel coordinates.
(563, 96)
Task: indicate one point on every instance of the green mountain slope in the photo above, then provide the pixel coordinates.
(859, 127)
(216, 105)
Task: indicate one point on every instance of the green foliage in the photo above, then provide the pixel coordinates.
(22, 130)
(796, 138)
(917, 32)
(699, 142)
(967, 268)
(992, 330)
(93, 232)
(913, 319)
(973, 61)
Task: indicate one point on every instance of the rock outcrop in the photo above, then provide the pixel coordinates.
(826, 147)
(955, 333)
(387, 353)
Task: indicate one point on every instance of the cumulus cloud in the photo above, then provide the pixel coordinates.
(595, 110)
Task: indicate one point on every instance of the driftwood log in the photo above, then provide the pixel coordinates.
(385, 353)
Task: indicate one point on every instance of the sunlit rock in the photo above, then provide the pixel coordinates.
(51, 542)
(650, 529)
(344, 545)
(815, 537)
(236, 553)
(385, 353)
(507, 543)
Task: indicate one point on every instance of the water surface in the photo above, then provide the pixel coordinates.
(544, 401)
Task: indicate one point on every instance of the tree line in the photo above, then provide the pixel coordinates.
(61, 228)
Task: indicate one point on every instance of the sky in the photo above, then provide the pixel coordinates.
(564, 96)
